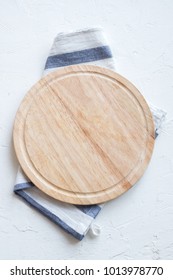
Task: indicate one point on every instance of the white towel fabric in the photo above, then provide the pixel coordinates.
(87, 46)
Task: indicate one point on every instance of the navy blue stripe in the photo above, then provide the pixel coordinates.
(49, 215)
(23, 186)
(78, 57)
(90, 210)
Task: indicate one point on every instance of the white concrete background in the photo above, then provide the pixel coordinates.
(139, 224)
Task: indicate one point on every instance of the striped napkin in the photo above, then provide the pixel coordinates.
(87, 46)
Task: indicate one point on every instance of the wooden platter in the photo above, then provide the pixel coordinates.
(83, 134)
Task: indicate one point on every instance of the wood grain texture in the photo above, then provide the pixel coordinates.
(84, 134)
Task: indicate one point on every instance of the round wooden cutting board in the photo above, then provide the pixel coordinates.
(83, 134)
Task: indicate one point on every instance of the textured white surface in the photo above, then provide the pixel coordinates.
(139, 224)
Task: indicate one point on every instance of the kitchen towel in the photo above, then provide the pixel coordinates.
(87, 46)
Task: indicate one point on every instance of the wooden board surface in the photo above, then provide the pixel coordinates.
(84, 134)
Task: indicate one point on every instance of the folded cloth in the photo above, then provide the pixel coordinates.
(81, 47)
